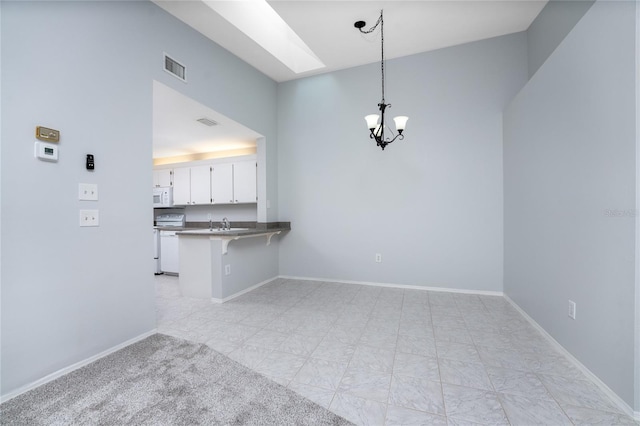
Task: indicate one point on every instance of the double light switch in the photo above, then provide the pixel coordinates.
(88, 192)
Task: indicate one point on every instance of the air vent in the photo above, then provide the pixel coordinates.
(175, 68)
(207, 121)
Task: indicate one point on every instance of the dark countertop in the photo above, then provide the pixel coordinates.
(253, 229)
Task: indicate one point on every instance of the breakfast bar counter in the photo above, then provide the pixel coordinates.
(222, 264)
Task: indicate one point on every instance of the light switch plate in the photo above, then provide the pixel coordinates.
(88, 192)
(89, 218)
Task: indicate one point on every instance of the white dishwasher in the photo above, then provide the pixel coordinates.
(169, 257)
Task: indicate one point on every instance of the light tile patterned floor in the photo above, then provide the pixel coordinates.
(381, 356)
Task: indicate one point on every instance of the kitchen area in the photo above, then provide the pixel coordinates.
(205, 201)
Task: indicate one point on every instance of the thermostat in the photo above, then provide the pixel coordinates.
(46, 151)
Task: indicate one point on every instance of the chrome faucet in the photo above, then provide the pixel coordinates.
(226, 224)
(210, 224)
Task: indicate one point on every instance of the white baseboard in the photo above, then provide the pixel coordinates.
(390, 285)
(603, 387)
(73, 367)
(240, 293)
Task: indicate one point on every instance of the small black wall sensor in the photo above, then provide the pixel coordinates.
(90, 164)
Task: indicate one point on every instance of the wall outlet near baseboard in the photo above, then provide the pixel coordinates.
(572, 309)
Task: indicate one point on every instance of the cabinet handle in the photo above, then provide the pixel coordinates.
(236, 201)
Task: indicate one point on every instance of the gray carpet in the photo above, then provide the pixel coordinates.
(162, 380)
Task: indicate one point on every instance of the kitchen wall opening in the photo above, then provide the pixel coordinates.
(205, 171)
(190, 139)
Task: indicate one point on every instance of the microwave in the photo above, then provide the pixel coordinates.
(163, 197)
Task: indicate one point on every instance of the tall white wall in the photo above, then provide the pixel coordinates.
(570, 188)
(430, 204)
(69, 293)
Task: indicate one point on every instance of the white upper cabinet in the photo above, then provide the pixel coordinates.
(191, 185)
(201, 185)
(222, 183)
(162, 178)
(215, 182)
(182, 186)
(244, 182)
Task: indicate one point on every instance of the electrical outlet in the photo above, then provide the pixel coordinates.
(88, 192)
(89, 218)
(572, 309)
(378, 258)
(227, 269)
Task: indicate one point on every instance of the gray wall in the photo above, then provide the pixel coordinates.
(550, 27)
(430, 204)
(637, 298)
(67, 292)
(569, 185)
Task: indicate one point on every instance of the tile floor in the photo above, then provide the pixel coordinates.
(384, 356)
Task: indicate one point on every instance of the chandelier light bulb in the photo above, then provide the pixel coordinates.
(372, 121)
(401, 122)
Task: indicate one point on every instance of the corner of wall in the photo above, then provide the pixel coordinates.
(551, 26)
(637, 259)
(0, 187)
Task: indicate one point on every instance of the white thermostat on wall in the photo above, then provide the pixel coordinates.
(46, 151)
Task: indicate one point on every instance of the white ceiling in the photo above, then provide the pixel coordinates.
(326, 27)
(176, 131)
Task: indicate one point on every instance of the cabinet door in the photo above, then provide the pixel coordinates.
(244, 182)
(164, 177)
(182, 186)
(222, 183)
(200, 185)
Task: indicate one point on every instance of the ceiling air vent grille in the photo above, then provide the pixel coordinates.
(207, 121)
(175, 68)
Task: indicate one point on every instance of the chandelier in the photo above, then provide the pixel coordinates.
(377, 129)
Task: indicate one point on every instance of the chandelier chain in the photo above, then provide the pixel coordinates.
(380, 22)
(382, 52)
